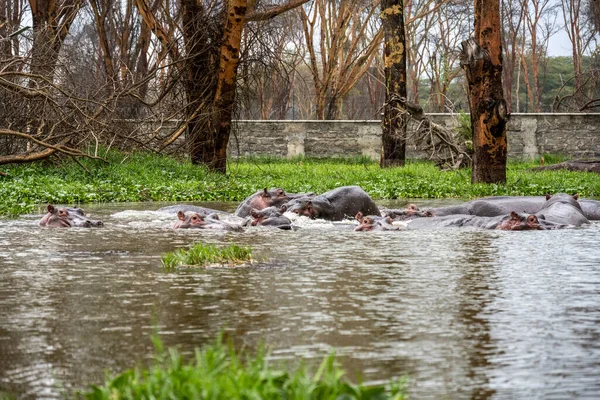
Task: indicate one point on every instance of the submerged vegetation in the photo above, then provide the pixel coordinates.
(207, 254)
(218, 372)
(150, 177)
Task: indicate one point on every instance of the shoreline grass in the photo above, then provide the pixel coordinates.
(217, 371)
(203, 255)
(150, 177)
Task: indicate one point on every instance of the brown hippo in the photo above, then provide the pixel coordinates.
(66, 217)
(266, 198)
(193, 220)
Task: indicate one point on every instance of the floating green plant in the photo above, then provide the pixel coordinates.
(203, 255)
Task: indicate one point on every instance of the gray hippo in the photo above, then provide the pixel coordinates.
(174, 209)
(270, 216)
(494, 206)
(66, 217)
(559, 211)
(194, 220)
(266, 198)
(374, 223)
(410, 212)
(512, 221)
(562, 208)
(335, 205)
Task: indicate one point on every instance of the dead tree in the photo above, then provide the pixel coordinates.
(481, 58)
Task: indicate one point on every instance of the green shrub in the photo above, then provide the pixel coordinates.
(217, 372)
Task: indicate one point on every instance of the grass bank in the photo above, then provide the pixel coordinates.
(149, 177)
(218, 372)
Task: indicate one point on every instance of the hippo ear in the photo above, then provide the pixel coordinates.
(428, 213)
(265, 193)
(181, 215)
(576, 196)
(359, 215)
(514, 215)
(548, 196)
(51, 208)
(389, 220)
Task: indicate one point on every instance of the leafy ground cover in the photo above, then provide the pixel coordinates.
(201, 254)
(150, 177)
(219, 372)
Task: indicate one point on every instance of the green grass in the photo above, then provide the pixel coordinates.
(150, 177)
(206, 254)
(218, 372)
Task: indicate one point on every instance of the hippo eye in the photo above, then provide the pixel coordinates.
(532, 219)
(280, 193)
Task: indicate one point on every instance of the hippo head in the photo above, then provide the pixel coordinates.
(517, 222)
(268, 198)
(304, 208)
(189, 220)
(66, 217)
(374, 223)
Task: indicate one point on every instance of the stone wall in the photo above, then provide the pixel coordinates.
(529, 136)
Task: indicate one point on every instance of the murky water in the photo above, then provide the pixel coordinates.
(465, 314)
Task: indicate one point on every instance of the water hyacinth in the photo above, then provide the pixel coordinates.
(219, 372)
(204, 255)
(149, 177)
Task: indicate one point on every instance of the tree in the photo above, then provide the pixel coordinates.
(481, 58)
(208, 63)
(341, 48)
(394, 59)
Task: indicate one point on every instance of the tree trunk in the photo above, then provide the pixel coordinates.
(393, 138)
(481, 58)
(211, 147)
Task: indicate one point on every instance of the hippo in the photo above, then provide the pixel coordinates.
(511, 221)
(335, 205)
(174, 209)
(374, 223)
(194, 220)
(500, 205)
(270, 216)
(266, 198)
(563, 209)
(411, 212)
(519, 222)
(66, 217)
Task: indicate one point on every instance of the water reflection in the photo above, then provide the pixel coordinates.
(466, 314)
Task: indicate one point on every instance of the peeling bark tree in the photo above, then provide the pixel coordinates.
(481, 58)
(210, 76)
(393, 152)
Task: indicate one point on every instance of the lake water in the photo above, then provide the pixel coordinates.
(464, 314)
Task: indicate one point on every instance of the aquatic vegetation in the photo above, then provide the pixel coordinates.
(151, 177)
(219, 372)
(202, 255)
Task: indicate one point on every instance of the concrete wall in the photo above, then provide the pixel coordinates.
(529, 136)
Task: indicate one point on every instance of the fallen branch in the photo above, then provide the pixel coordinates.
(438, 141)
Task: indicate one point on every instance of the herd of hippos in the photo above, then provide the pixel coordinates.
(268, 208)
